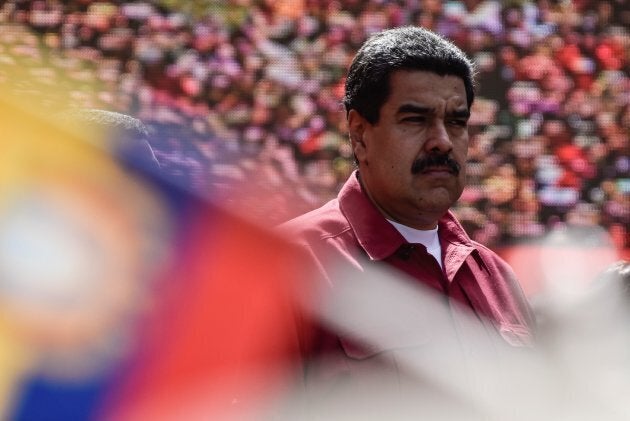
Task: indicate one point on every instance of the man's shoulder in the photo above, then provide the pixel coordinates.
(323, 222)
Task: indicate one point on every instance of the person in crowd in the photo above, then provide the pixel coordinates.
(410, 307)
(127, 136)
(408, 95)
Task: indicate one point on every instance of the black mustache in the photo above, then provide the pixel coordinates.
(435, 160)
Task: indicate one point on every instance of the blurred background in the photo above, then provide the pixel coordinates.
(250, 90)
(242, 106)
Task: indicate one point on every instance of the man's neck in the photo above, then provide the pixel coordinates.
(419, 222)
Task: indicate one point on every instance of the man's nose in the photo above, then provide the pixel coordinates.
(438, 139)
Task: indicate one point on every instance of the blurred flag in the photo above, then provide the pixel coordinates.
(123, 296)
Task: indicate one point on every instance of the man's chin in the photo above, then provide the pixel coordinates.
(438, 199)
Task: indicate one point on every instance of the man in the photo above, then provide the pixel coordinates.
(408, 98)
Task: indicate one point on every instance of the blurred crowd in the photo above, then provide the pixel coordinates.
(249, 94)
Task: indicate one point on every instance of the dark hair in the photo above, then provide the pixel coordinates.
(129, 136)
(408, 48)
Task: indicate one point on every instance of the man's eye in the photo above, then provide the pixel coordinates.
(459, 123)
(414, 119)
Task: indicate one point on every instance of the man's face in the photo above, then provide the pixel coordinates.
(412, 161)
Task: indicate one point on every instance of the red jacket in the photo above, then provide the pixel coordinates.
(351, 231)
(420, 336)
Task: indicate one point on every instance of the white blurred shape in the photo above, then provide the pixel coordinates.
(423, 357)
(571, 257)
(44, 255)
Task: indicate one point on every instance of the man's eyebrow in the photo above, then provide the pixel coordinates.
(418, 109)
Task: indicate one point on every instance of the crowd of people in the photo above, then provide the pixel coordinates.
(249, 94)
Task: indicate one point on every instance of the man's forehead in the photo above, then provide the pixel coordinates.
(424, 87)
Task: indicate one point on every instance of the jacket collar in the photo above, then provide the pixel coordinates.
(376, 236)
(379, 238)
(456, 244)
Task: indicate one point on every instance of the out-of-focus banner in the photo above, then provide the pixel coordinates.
(77, 238)
(123, 296)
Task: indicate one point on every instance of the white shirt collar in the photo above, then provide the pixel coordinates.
(428, 238)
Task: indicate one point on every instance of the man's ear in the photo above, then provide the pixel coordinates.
(357, 125)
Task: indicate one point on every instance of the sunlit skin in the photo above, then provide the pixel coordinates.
(425, 114)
